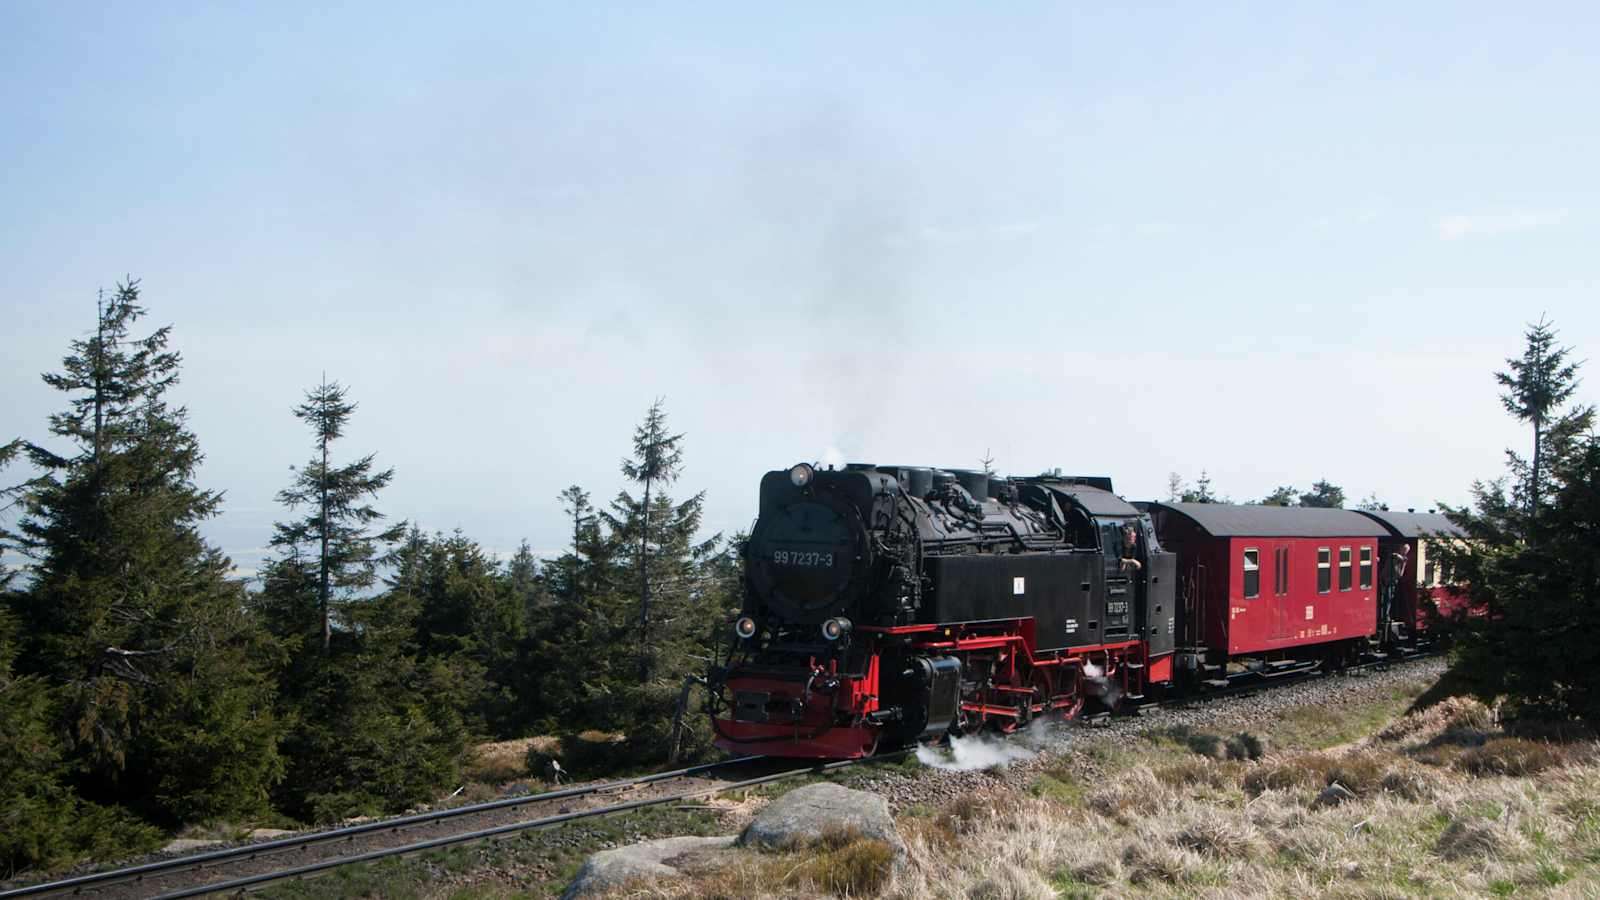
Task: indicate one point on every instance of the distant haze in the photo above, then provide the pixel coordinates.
(1272, 244)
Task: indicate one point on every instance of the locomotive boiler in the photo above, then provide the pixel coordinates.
(886, 605)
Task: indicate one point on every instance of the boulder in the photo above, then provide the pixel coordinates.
(608, 869)
(1334, 794)
(800, 817)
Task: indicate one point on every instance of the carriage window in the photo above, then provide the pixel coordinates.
(1324, 569)
(1427, 575)
(1344, 568)
(1366, 568)
(1281, 576)
(1252, 572)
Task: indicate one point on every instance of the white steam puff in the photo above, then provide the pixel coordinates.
(967, 754)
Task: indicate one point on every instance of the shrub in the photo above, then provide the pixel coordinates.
(1136, 795)
(1146, 862)
(846, 865)
(1510, 756)
(1361, 773)
(1476, 838)
(1192, 773)
(1304, 771)
(1222, 838)
(593, 751)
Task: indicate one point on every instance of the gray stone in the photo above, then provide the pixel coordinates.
(800, 817)
(1334, 794)
(189, 845)
(267, 833)
(608, 869)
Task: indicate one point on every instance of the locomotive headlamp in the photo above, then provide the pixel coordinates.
(833, 629)
(745, 627)
(801, 474)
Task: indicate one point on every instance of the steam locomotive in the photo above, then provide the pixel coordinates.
(887, 605)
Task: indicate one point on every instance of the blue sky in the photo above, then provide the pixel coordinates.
(1273, 243)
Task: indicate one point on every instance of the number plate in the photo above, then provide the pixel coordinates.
(809, 559)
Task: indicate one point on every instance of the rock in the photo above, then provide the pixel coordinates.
(608, 869)
(799, 818)
(1334, 794)
(267, 833)
(189, 845)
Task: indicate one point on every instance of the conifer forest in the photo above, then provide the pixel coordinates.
(143, 687)
(146, 688)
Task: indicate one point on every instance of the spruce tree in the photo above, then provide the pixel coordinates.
(376, 729)
(130, 616)
(656, 532)
(333, 545)
(1537, 385)
(1528, 567)
(1201, 492)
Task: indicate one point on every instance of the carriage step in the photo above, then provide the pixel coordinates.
(1216, 682)
(1133, 698)
(1281, 664)
(1133, 665)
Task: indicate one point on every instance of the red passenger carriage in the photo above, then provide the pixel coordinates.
(1267, 587)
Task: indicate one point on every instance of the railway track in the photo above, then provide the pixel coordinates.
(160, 878)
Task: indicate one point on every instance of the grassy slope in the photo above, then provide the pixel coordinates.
(1445, 805)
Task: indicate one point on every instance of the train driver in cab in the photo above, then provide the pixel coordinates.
(1130, 549)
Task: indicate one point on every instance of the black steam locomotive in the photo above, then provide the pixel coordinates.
(889, 604)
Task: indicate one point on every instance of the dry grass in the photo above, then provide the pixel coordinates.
(499, 761)
(1504, 815)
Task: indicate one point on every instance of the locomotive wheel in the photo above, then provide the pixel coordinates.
(1043, 687)
(1072, 692)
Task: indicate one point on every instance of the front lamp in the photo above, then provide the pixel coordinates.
(801, 474)
(833, 629)
(745, 627)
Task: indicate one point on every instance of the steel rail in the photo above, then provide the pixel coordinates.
(251, 881)
(298, 842)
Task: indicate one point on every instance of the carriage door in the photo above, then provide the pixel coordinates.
(1282, 621)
